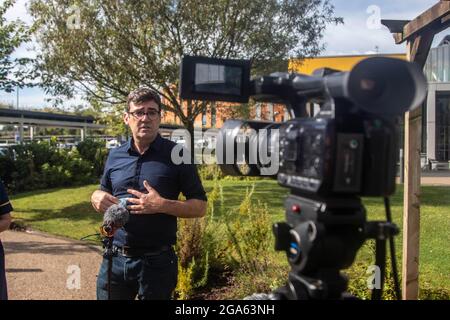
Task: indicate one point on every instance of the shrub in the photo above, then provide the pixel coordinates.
(54, 176)
(200, 247)
(42, 164)
(95, 152)
(193, 262)
(210, 172)
(249, 234)
(359, 274)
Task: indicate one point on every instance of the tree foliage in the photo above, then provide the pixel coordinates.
(12, 35)
(106, 48)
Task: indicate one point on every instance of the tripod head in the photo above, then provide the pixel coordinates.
(321, 237)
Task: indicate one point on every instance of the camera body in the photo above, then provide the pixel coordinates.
(349, 148)
(355, 154)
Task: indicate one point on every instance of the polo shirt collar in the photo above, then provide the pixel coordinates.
(155, 145)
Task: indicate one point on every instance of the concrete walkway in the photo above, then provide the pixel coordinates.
(43, 267)
(434, 178)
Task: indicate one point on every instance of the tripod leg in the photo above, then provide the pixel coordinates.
(380, 261)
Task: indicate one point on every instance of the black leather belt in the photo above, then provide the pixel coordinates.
(140, 252)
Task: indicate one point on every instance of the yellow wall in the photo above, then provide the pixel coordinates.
(343, 63)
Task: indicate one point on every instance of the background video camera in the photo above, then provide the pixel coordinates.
(349, 149)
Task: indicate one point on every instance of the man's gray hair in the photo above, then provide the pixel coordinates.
(143, 94)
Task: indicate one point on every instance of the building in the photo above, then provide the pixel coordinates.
(436, 119)
(342, 63)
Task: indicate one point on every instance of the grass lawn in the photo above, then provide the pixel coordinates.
(68, 212)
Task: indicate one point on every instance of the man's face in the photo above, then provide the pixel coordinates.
(143, 126)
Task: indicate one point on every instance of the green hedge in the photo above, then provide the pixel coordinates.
(42, 164)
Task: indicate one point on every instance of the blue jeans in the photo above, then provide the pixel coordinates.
(147, 277)
(3, 289)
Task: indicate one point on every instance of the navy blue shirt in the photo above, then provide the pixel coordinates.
(127, 169)
(5, 205)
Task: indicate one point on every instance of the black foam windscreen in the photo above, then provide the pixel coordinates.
(116, 216)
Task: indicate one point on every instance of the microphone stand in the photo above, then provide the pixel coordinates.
(115, 217)
(108, 245)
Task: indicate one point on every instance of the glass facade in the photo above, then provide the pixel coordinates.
(204, 119)
(443, 126)
(437, 67)
(213, 116)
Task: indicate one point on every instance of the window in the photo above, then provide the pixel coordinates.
(204, 119)
(213, 117)
(443, 126)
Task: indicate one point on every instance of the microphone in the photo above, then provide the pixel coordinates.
(115, 217)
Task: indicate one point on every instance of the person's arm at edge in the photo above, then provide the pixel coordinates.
(5, 221)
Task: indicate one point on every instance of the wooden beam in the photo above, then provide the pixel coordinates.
(419, 46)
(445, 18)
(398, 37)
(436, 18)
(395, 26)
(432, 15)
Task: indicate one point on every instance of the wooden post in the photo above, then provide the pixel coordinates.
(411, 205)
(417, 50)
(419, 34)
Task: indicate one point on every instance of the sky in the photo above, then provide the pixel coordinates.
(361, 33)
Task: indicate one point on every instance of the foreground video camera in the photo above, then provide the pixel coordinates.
(349, 149)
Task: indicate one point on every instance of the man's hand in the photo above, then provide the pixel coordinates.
(146, 203)
(102, 200)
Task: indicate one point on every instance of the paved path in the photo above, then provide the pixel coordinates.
(439, 178)
(39, 267)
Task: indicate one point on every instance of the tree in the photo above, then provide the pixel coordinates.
(106, 48)
(12, 35)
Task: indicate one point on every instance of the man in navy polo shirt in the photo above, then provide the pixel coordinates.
(5, 220)
(142, 173)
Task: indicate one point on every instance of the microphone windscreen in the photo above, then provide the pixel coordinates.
(116, 215)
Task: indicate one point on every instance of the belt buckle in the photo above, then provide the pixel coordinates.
(113, 251)
(125, 251)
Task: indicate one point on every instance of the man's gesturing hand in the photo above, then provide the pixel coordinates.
(149, 203)
(102, 200)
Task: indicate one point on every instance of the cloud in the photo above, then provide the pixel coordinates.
(19, 11)
(359, 34)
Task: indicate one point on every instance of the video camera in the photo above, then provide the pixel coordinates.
(328, 161)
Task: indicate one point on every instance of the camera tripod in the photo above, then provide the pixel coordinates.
(321, 237)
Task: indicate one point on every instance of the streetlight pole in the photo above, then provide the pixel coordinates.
(17, 100)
